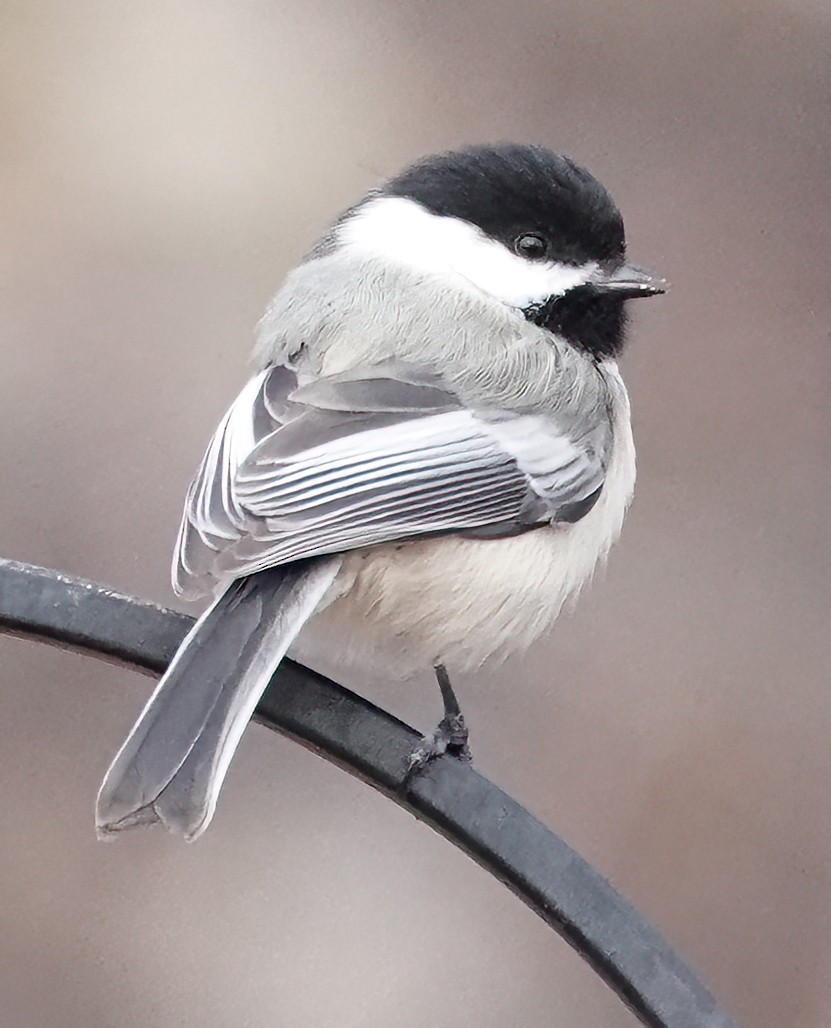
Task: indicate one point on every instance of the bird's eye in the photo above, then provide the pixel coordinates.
(531, 245)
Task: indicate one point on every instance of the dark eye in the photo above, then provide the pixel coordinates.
(531, 245)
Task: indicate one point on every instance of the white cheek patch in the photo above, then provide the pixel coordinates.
(401, 230)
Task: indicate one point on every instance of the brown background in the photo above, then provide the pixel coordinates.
(163, 165)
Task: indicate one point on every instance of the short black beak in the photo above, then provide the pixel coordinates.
(628, 281)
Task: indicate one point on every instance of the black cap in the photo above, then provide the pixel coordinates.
(509, 190)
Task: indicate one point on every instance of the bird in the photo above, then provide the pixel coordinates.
(431, 457)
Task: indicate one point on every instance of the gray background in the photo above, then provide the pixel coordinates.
(163, 166)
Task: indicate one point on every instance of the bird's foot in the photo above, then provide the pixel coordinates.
(450, 735)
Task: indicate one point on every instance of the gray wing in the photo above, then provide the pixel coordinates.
(385, 454)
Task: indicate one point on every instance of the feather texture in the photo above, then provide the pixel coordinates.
(174, 761)
(373, 456)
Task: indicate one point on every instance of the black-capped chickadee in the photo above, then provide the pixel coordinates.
(432, 459)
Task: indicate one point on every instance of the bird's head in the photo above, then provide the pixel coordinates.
(519, 223)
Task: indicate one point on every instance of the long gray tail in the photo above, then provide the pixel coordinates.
(174, 761)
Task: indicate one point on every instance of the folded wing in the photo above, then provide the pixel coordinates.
(388, 453)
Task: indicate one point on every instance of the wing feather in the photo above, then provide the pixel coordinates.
(366, 458)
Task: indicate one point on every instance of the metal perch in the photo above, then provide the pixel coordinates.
(450, 796)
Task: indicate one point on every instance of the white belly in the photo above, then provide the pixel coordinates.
(461, 601)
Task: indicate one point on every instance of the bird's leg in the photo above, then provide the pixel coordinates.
(449, 735)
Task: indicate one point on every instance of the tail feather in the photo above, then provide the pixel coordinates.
(172, 766)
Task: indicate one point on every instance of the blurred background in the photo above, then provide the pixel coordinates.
(163, 166)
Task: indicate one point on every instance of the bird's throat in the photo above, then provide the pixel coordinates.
(584, 317)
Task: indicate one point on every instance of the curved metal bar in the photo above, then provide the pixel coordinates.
(475, 815)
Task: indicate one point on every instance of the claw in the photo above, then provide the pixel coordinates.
(449, 736)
